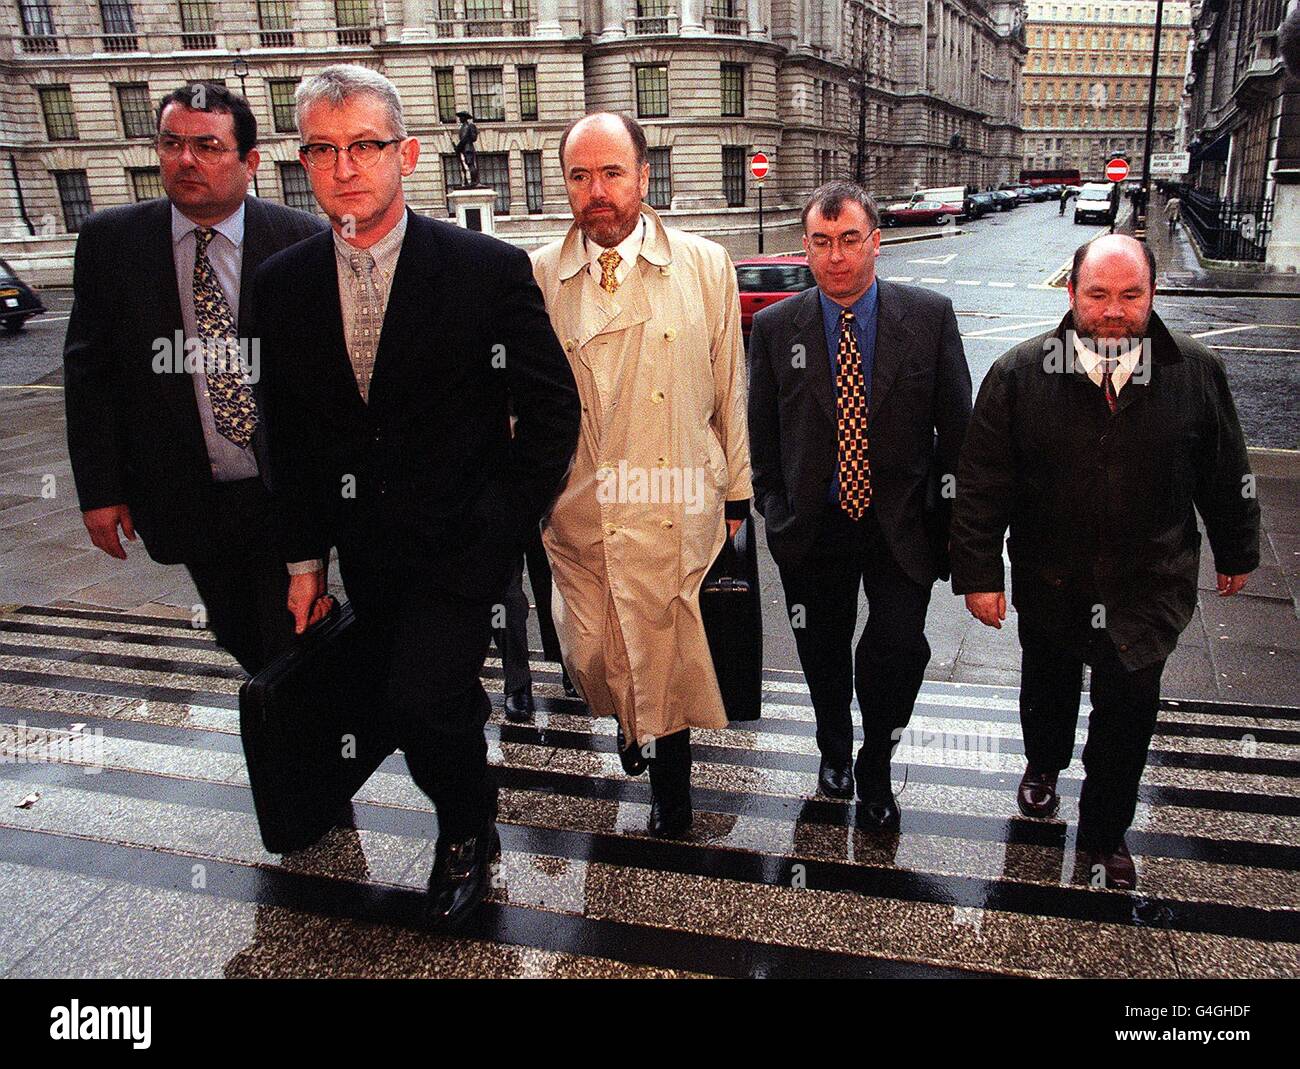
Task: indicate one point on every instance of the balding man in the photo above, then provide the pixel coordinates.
(1097, 444)
(650, 318)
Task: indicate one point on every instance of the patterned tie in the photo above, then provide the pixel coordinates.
(851, 417)
(609, 261)
(1107, 383)
(233, 409)
(367, 320)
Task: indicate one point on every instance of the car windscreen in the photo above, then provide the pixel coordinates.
(773, 278)
(7, 272)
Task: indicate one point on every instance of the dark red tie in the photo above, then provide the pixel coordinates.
(1108, 384)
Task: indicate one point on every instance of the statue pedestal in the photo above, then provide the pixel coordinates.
(473, 208)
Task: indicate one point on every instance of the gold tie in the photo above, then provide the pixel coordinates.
(609, 261)
(851, 418)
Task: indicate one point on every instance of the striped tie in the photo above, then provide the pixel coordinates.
(851, 420)
(234, 411)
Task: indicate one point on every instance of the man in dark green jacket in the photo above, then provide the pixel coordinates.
(1093, 443)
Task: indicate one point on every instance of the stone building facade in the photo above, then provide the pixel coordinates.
(935, 83)
(1087, 80)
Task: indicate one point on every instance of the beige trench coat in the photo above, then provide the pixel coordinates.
(664, 444)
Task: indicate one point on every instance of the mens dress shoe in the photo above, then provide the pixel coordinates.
(519, 705)
(835, 781)
(670, 786)
(668, 821)
(633, 760)
(462, 873)
(1036, 794)
(570, 691)
(877, 807)
(1116, 867)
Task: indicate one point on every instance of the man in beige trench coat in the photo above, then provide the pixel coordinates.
(650, 319)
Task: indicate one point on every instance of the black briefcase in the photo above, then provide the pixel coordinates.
(733, 621)
(314, 728)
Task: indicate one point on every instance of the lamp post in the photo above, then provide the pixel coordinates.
(1140, 219)
(239, 67)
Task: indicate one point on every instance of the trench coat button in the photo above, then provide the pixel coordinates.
(1123, 648)
(670, 334)
(610, 529)
(666, 524)
(657, 397)
(665, 270)
(661, 460)
(570, 345)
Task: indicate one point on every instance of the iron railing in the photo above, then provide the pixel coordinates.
(1227, 229)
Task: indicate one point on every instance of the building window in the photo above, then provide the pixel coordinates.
(660, 194)
(652, 16)
(137, 115)
(652, 91)
(533, 181)
(275, 20)
(295, 187)
(119, 25)
(38, 26)
(733, 89)
(282, 104)
(352, 17)
(146, 183)
(444, 84)
(493, 171)
(74, 195)
(486, 96)
(733, 175)
(56, 105)
(528, 92)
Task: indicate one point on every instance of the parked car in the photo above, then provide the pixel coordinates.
(986, 202)
(764, 280)
(1095, 203)
(18, 301)
(1006, 198)
(930, 212)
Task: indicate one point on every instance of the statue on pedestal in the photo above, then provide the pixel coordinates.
(465, 139)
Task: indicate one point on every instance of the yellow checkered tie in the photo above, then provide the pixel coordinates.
(851, 421)
(234, 411)
(609, 261)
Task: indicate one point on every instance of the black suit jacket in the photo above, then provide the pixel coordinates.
(134, 435)
(425, 478)
(919, 407)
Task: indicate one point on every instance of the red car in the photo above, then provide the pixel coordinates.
(922, 212)
(764, 280)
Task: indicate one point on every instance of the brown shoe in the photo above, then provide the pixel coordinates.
(1115, 869)
(1036, 794)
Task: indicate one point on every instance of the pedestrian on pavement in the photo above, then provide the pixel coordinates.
(170, 446)
(859, 399)
(1097, 444)
(650, 318)
(1173, 212)
(389, 414)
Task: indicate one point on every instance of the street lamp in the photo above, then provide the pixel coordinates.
(239, 67)
(1140, 215)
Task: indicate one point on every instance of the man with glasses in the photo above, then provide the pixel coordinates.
(162, 371)
(859, 398)
(398, 347)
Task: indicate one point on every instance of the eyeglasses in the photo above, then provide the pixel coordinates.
(207, 149)
(321, 154)
(850, 242)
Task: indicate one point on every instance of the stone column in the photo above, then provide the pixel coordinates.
(754, 15)
(415, 20)
(1283, 251)
(548, 19)
(613, 16)
(692, 17)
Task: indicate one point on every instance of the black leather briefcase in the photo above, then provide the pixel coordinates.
(314, 728)
(733, 620)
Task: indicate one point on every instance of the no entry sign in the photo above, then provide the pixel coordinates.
(758, 166)
(1117, 170)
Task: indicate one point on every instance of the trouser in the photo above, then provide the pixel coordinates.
(432, 646)
(242, 581)
(512, 639)
(539, 578)
(670, 768)
(888, 664)
(1123, 719)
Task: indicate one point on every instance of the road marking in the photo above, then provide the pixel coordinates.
(942, 261)
(33, 386)
(1003, 285)
(1223, 330)
(1253, 349)
(900, 278)
(935, 281)
(968, 282)
(988, 331)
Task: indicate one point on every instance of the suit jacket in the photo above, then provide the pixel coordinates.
(134, 434)
(918, 410)
(425, 476)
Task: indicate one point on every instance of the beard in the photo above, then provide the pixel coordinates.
(1111, 337)
(607, 228)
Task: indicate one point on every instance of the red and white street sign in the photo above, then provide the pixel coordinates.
(1116, 171)
(758, 166)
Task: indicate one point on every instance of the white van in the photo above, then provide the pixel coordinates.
(1095, 203)
(943, 194)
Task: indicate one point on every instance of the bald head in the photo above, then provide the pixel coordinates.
(1110, 252)
(607, 124)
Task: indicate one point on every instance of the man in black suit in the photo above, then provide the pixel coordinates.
(859, 395)
(397, 348)
(169, 446)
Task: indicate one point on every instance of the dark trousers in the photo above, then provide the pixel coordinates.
(888, 664)
(512, 639)
(242, 580)
(1123, 719)
(670, 768)
(432, 646)
(539, 578)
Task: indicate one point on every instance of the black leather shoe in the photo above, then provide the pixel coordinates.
(1113, 870)
(835, 781)
(519, 706)
(462, 873)
(670, 821)
(570, 691)
(877, 807)
(633, 760)
(1036, 794)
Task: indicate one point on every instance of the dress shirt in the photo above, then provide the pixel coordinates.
(865, 313)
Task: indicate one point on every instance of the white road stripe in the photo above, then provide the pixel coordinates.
(1003, 285)
(968, 282)
(1223, 330)
(1010, 326)
(934, 281)
(1253, 349)
(900, 278)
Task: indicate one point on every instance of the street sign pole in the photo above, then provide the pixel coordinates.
(760, 217)
(1140, 213)
(759, 168)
